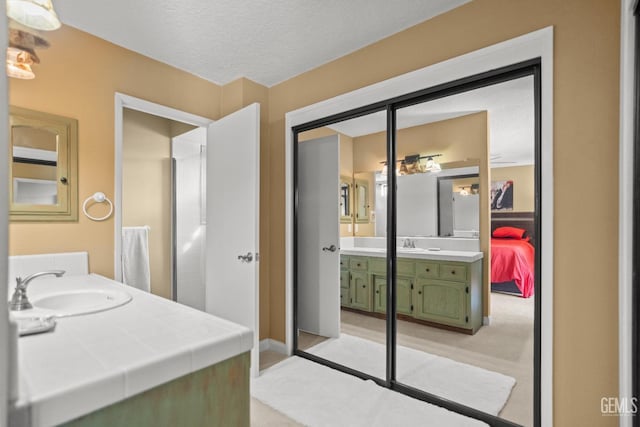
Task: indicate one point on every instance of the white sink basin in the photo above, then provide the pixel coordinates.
(77, 302)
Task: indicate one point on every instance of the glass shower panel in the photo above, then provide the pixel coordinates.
(341, 252)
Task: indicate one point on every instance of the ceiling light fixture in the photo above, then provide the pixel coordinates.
(38, 14)
(463, 191)
(19, 56)
(19, 70)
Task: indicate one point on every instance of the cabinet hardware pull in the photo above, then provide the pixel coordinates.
(63, 180)
(331, 248)
(453, 272)
(428, 270)
(419, 292)
(364, 286)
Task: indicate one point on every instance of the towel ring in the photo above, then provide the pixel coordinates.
(98, 197)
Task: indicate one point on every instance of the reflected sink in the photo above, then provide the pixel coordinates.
(78, 302)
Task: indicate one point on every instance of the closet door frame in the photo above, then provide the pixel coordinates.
(523, 69)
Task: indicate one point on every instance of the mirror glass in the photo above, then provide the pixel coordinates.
(35, 158)
(459, 206)
(340, 283)
(345, 199)
(362, 197)
(43, 166)
(432, 205)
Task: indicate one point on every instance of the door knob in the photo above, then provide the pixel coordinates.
(331, 248)
(246, 258)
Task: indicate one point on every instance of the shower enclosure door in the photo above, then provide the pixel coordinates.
(233, 197)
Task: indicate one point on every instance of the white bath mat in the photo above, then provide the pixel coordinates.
(315, 396)
(476, 387)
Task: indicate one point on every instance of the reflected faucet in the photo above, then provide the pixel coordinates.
(408, 243)
(19, 301)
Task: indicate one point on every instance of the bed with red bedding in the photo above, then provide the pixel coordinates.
(512, 260)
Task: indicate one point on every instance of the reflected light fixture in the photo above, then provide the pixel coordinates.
(412, 164)
(37, 14)
(403, 168)
(464, 191)
(432, 165)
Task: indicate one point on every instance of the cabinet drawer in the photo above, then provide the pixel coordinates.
(427, 269)
(405, 268)
(344, 262)
(378, 266)
(453, 272)
(358, 264)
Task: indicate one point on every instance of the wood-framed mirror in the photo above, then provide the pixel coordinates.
(43, 166)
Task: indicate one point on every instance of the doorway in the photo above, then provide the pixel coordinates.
(232, 211)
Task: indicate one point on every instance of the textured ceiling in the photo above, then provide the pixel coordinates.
(265, 41)
(511, 119)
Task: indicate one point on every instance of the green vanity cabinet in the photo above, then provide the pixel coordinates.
(441, 301)
(355, 286)
(405, 290)
(344, 288)
(439, 292)
(344, 280)
(360, 291)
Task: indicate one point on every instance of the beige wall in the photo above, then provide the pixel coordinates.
(146, 189)
(585, 121)
(78, 77)
(523, 185)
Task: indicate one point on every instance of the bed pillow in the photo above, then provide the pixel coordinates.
(510, 233)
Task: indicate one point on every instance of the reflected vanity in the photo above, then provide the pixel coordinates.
(43, 166)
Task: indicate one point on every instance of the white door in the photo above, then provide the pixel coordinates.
(233, 183)
(318, 237)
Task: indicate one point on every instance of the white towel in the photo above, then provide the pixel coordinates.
(135, 257)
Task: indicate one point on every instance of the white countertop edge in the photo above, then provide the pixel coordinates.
(64, 404)
(459, 256)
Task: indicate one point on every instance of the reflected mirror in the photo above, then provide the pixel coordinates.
(431, 204)
(43, 166)
(362, 200)
(345, 199)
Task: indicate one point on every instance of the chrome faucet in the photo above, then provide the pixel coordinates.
(19, 301)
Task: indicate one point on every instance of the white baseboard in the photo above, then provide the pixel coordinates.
(486, 321)
(273, 345)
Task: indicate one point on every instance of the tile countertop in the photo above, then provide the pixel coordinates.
(437, 255)
(94, 360)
